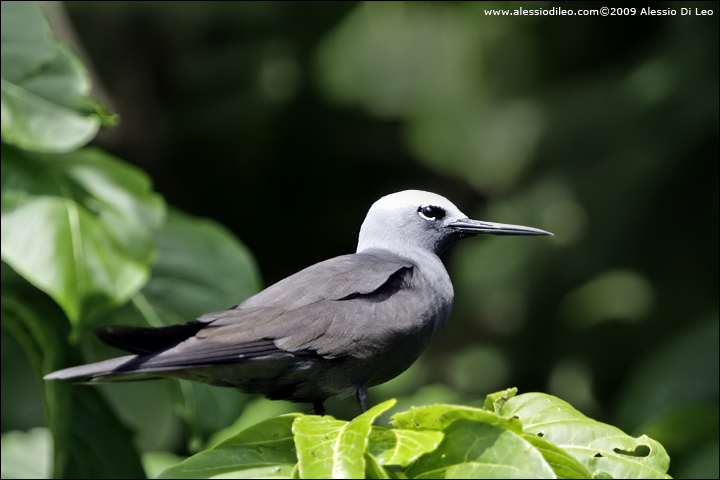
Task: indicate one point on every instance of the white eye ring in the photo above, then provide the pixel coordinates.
(425, 217)
(430, 212)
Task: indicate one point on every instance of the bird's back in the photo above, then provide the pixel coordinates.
(354, 320)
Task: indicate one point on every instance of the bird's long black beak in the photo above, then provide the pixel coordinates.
(475, 227)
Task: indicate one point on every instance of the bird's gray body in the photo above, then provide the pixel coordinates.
(334, 328)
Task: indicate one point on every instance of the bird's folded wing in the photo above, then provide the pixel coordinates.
(333, 279)
(334, 308)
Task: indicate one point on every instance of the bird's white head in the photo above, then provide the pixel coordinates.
(413, 220)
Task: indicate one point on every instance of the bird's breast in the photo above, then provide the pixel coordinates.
(420, 310)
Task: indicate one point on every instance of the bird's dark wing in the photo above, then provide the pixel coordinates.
(370, 296)
(325, 310)
(339, 277)
(144, 340)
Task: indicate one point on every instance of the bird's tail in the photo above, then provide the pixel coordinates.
(107, 370)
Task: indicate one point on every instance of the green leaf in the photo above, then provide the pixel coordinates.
(255, 411)
(401, 447)
(601, 448)
(78, 226)
(45, 87)
(155, 463)
(563, 464)
(265, 450)
(201, 267)
(46, 105)
(495, 401)
(329, 448)
(373, 468)
(27, 454)
(439, 417)
(79, 418)
(472, 449)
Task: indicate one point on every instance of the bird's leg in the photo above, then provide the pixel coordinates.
(318, 407)
(362, 398)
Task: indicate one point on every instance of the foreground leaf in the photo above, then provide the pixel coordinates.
(601, 448)
(329, 448)
(473, 449)
(255, 411)
(78, 226)
(45, 87)
(563, 464)
(439, 417)
(27, 454)
(265, 450)
(373, 468)
(402, 447)
(79, 417)
(200, 267)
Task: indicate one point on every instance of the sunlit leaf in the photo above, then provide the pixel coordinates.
(45, 87)
(156, 463)
(598, 446)
(265, 450)
(329, 448)
(78, 226)
(373, 468)
(402, 447)
(563, 464)
(473, 449)
(27, 454)
(440, 417)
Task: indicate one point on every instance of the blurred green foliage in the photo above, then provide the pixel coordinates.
(284, 121)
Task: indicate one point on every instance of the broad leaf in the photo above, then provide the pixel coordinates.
(256, 410)
(156, 462)
(402, 447)
(373, 468)
(27, 454)
(45, 87)
(439, 417)
(473, 449)
(78, 226)
(601, 448)
(264, 450)
(329, 448)
(200, 267)
(563, 464)
(79, 417)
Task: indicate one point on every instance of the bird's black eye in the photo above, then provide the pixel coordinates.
(431, 212)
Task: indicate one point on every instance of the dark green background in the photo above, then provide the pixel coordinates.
(284, 121)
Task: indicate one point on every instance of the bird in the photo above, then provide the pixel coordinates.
(335, 328)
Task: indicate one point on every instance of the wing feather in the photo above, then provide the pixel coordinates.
(330, 309)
